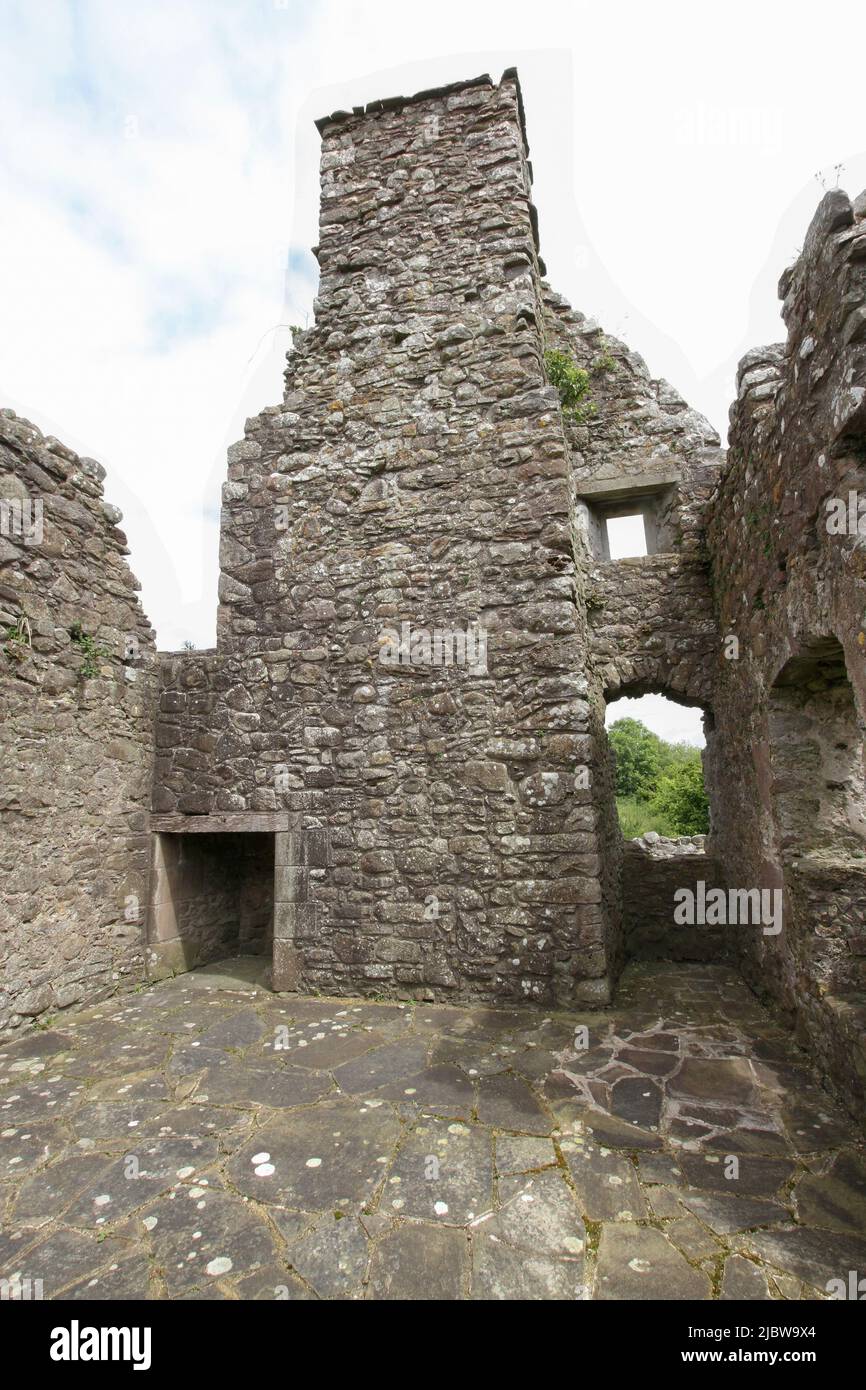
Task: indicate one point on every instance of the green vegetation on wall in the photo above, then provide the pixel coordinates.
(572, 383)
(91, 652)
(17, 640)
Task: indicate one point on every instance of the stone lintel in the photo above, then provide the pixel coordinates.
(229, 822)
(624, 485)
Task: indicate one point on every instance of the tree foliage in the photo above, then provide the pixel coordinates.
(665, 779)
(637, 758)
(682, 801)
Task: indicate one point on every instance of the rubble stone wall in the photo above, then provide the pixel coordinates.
(654, 870)
(185, 731)
(792, 590)
(651, 620)
(651, 625)
(416, 473)
(76, 719)
(421, 477)
(392, 770)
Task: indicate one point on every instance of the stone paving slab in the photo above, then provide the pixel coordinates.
(206, 1139)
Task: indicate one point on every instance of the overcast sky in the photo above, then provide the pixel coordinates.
(160, 196)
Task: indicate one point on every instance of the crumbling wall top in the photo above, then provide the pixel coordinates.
(375, 108)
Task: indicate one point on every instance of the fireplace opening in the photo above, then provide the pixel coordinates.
(212, 897)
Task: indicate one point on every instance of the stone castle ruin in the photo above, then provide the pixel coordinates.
(391, 775)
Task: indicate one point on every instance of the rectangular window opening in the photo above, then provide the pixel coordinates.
(626, 536)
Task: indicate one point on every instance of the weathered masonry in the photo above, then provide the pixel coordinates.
(421, 478)
(77, 698)
(391, 775)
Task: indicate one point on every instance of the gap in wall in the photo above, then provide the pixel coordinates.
(626, 536)
(656, 745)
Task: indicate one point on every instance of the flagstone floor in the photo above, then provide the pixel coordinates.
(205, 1139)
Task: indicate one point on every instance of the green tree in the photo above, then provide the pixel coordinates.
(681, 798)
(638, 753)
(674, 754)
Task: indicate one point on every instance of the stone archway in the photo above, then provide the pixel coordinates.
(657, 675)
(650, 869)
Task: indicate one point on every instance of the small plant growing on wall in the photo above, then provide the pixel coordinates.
(605, 362)
(17, 640)
(572, 383)
(91, 653)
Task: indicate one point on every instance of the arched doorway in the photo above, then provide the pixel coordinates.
(658, 745)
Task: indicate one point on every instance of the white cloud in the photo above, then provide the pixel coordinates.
(673, 722)
(160, 159)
